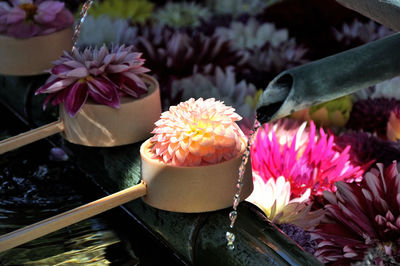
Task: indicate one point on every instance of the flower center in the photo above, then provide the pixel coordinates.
(85, 79)
(30, 10)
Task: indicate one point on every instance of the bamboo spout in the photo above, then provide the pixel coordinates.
(384, 12)
(330, 78)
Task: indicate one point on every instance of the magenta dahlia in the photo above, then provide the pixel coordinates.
(101, 75)
(28, 18)
(314, 165)
(360, 218)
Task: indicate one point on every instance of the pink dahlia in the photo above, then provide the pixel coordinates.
(101, 75)
(361, 217)
(314, 165)
(197, 132)
(28, 18)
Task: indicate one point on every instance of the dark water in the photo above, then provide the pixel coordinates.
(33, 187)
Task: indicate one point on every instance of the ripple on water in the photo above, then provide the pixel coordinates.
(33, 188)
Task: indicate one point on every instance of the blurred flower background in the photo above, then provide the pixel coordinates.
(329, 170)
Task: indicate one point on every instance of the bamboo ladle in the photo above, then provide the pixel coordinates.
(99, 125)
(170, 188)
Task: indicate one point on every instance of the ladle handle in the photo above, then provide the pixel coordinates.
(31, 136)
(67, 218)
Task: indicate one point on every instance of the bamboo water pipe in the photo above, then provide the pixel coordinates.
(330, 78)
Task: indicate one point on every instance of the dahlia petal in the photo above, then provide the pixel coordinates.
(117, 68)
(60, 69)
(23, 30)
(76, 98)
(391, 226)
(47, 11)
(389, 216)
(181, 155)
(56, 85)
(130, 87)
(207, 140)
(380, 219)
(15, 15)
(104, 90)
(80, 72)
(139, 82)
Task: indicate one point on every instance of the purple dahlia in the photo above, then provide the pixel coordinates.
(28, 18)
(173, 54)
(365, 148)
(361, 217)
(372, 115)
(101, 75)
(358, 33)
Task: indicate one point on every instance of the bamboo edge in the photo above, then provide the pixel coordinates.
(33, 135)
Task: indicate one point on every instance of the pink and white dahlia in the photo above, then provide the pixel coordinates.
(314, 165)
(273, 198)
(197, 132)
(28, 18)
(101, 75)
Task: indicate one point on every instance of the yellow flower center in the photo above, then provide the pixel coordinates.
(85, 79)
(30, 10)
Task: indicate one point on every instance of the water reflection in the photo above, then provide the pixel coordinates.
(33, 188)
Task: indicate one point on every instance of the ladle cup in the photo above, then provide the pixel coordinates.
(99, 125)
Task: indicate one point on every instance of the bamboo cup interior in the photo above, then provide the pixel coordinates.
(192, 189)
(102, 126)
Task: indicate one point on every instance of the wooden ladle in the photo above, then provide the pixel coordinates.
(166, 187)
(99, 125)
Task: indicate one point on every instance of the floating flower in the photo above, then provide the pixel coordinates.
(365, 148)
(99, 74)
(252, 34)
(237, 7)
(360, 217)
(180, 54)
(334, 113)
(315, 166)
(222, 86)
(267, 61)
(273, 198)
(134, 10)
(393, 126)
(389, 89)
(113, 31)
(28, 18)
(358, 33)
(197, 132)
(300, 236)
(174, 55)
(184, 14)
(372, 115)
